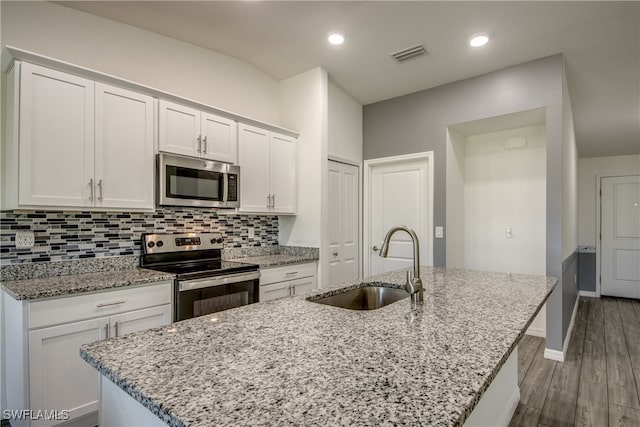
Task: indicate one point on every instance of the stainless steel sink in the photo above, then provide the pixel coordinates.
(367, 298)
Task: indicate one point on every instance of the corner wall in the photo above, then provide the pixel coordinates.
(140, 56)
(304, 108)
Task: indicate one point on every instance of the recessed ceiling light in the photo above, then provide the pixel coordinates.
(336, 38)
(479, 40)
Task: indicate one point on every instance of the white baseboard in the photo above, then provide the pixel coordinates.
(536, 332)
(553, 355)
(590, 294)
(559, 355)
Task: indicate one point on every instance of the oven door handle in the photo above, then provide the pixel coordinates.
(208, 282)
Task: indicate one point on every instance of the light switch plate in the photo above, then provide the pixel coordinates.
(439, 232)
(509, 233)
(24, 239)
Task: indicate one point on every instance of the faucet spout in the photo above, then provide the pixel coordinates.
(414, 284)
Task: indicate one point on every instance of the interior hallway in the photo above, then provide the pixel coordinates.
(598, 384)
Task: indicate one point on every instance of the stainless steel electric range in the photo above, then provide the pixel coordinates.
(204, 282)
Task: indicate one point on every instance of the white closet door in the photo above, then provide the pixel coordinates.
(621, 237)
(124, 148)
(56, 138)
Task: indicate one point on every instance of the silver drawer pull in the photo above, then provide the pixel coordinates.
(107, 304)
(291, 273)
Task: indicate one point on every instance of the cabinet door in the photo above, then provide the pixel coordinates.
(179, 129)
(219, 138)
(59, 378)
(56, 138)
(275, 291)
(304, 285)
(283, 160)
(254, 168)
(124, 148)
(139, 320)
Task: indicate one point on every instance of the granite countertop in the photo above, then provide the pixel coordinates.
(291, 361)
(67, 285)
(276, 260)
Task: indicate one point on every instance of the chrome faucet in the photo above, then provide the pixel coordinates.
(414, 283)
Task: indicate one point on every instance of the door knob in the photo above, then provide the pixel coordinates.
(375, 249)
(335, 254)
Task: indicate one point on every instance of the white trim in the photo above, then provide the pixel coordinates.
(598, 231)
(589, 294)
(553, 355)
(536, 332)
(368, 164)
(344, 160)
(560, 355)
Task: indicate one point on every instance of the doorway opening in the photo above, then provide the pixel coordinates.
(496, 196)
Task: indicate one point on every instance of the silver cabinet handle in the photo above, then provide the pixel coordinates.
(273, 200)
(268, 200)
(291, 273)
(205, 145)
(106, 330)
(294, 290)
(99, 190)
(335, 254)
(107, 304)
(375, 249)
(199, 143)
(117, 329)
(290, 290)
(91, 189)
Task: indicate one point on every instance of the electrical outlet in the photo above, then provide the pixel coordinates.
(439, 232)
(24, 239)
(509, 233)
(252, 232)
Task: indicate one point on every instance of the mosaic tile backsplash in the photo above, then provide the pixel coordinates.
(74, 235)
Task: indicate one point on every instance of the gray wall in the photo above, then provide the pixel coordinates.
(417, 122)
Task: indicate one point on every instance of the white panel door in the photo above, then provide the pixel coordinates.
(398, 195)
(124, 148)
(219, 138)
(343, 222)
(253, 158)
(139, 320)
(179, 129)
(283, 159)
(59, 378)
(620, 229)
(56, 138)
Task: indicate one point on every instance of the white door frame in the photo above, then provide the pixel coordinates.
(599, 228)
(366, 232)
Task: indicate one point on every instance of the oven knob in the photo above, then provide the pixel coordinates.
(151, 244)
(160, 243)
(219, 240)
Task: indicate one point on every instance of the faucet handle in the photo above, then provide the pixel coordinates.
(409, 285)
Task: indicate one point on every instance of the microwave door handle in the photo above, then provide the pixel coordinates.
(225, 188)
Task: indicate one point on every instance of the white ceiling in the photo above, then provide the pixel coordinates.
(600, 41)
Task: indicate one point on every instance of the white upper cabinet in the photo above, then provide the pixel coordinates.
(56, 138)
(83, 144)
(191, 132)
(124, 149)
(268, 177)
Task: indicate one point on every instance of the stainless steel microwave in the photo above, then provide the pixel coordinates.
(190, 181)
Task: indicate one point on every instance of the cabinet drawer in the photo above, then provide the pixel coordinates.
(62, 310)
(289, 272)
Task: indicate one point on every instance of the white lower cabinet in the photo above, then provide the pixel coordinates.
(290, 280)
(43, 348)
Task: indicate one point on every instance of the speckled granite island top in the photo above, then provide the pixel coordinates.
(295, 362)
(66, 285)
(276, 260)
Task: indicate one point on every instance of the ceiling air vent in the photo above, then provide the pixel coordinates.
(409, 53)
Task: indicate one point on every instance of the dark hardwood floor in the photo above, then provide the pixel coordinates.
(599, 383)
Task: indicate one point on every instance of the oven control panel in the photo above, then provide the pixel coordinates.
(180, 242)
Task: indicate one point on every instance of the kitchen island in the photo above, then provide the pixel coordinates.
(292, 361)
